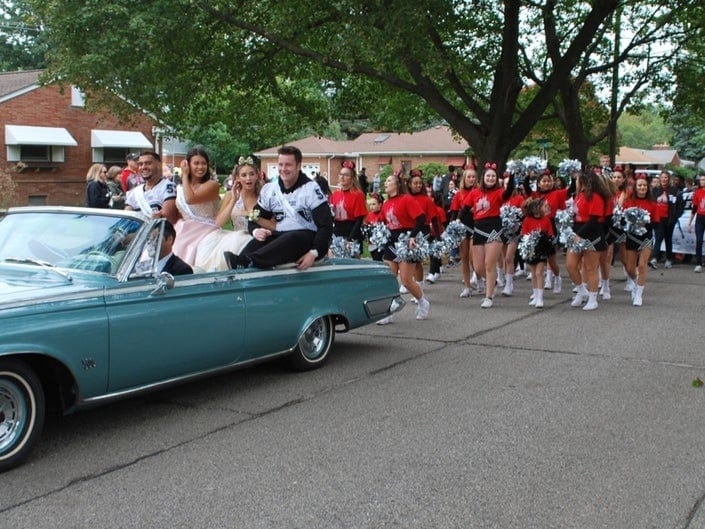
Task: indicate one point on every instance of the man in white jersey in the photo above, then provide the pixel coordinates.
(304, 221)
(155, 198)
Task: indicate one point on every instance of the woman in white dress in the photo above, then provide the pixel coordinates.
(197, 201)
(239, 206)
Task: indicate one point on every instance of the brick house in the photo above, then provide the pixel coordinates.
(50, 135)
(373, 151)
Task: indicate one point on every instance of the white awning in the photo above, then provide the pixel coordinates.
(119, 138)
(25, 135)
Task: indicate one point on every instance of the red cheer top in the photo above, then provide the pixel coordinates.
(586, 207)
(348, 204)
(400, 212)
(555, 198)
(484, 204)
(530, 224)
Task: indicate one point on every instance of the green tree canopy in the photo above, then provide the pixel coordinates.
(268, 68)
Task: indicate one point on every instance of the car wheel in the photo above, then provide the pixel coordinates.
(21, 412)
(314, 345)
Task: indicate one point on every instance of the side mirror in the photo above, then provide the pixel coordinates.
(165, 282)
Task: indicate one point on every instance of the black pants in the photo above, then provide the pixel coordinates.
(664, 232)
(699, 231)
(282, 247)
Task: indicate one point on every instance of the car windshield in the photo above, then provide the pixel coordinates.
(66, 239)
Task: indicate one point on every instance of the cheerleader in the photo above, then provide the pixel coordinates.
(556, 199)
(468, 183)
(640, 238)
(614, 234)
(484, 203)
(537, 235)
(505, 274)
(348, 205)
(401, 214)
(583, 259)
(417, 189)
(374, 216)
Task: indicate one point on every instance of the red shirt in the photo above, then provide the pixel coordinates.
(699, 201)
(348, 205)
(585, 208)
(530, 224)
(457, 203)
(484, 204)
(516, 201)
(555, 198)
(373, 217)
(400, 212)
(442, 218)
(662, 203)
(428, 206)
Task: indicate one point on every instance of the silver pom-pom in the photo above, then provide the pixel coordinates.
(527, 245)
(517, 169)
(454, 233)
(404, 253)
(378, 234)
(439, 248)
(342, 248)
(632, 220)
(535, 164)
(566, 235)
(567, 167)
(511, 220)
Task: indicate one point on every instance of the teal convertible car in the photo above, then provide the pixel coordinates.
(85, 318)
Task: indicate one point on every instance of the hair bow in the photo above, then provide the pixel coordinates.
(618, 168)
(470, 166)
(491, 165)
(416, 172)
(242, 160)
(348, 164)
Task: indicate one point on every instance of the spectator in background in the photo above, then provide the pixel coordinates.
(376, 183)
(130, 177)
(97, 192)
(447, 197)
(669, 205)
(364, 185)
(115, 188)
(322, 182)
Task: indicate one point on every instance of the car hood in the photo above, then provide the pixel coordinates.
(40, 286)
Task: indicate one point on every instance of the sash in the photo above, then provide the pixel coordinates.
(185, 208)
(145, 208)
(287, 207)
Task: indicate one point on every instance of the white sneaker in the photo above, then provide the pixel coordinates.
(481, 285)
(423, 309)
(592, 301)
(605, 291)
(557, 284)
(431, 278)
(629, 287)
(548, 280)
(500, 282)
(436, 276)
(385, 321)
(473, 281)
(698, 269)
(653, 263)
(403, 289)
(486, 303)
(519, 271)
(668, 264)
(465, 293)
(508, 289)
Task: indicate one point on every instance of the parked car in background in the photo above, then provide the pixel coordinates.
(85, 319)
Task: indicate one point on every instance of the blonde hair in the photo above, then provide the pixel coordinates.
(114, 171)
(94, 172)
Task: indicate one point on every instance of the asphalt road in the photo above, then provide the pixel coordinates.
(511, 417)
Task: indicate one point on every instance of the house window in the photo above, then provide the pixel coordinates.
(77, 98)
(35, 153)
(115, 155)
(37, 200)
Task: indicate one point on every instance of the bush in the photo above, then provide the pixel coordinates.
(8, 187)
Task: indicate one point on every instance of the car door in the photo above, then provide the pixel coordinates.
(158, 334)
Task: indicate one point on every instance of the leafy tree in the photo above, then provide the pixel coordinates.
(644, 129)
(272, 66)
(22, 44)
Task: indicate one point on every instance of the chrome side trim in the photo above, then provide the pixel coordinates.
(147, 388)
